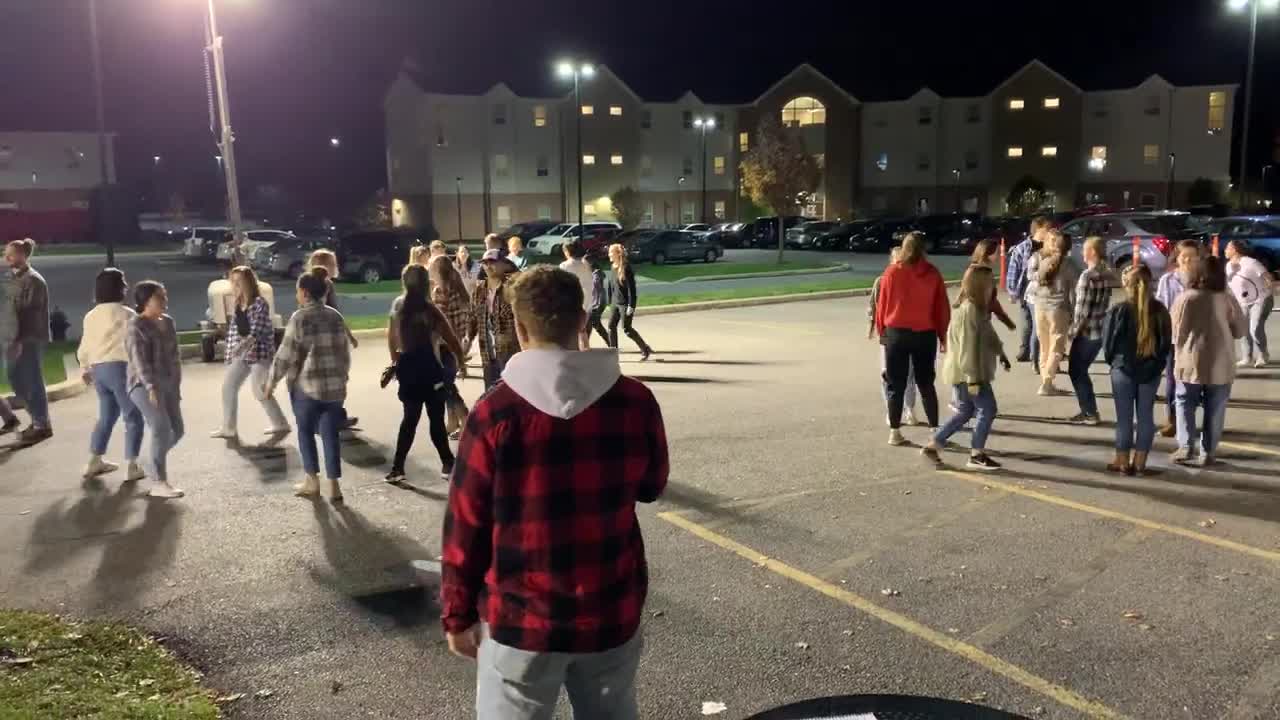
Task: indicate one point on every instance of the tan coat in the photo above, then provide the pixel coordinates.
(1205, 327)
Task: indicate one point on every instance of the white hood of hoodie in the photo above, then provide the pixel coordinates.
(562, 383)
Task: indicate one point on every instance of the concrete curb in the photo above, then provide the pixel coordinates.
(68, 388)
(842, 267)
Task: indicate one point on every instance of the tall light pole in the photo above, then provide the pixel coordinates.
(458, 185)
(1168, 199)
(955, 176)
(567, 70)
(1252, 6)
(101, 209)
(704, 124)
(226, 144)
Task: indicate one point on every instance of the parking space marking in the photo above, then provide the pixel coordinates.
(952, 645)
(1250, 448)
(1114, 515)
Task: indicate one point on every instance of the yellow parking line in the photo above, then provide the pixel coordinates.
(1112, 514)
(952, 645)
(1250, 448)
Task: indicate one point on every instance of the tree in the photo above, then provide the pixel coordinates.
(1204, 191)
(778, 172)
(1027, 196)
(375, 213)
(626, 207)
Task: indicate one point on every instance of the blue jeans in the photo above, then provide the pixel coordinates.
(513, 684)
(27, 381)
(1083, 352)
(1029, 311)
(1027, 332)
(164, 421)
(983, 405)
(1254, 342)
(1170, 390)
(316, 416)
(1214, 398)
(113, 401)
(1134, 400)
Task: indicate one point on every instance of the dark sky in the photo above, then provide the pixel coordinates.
(301, 71)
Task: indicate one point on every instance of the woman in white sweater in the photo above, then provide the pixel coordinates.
(105, 363)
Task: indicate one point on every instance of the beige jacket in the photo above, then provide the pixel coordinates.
(1205, 327)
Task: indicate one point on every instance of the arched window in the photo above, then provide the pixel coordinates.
(804, 111)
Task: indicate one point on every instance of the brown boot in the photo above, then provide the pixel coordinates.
(1140, 465)
(1170, 427)
(1121, 463)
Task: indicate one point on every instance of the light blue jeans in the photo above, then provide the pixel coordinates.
(164, 421)
(326, 418)
(1190, 398)
(516, 684)
(1254, 342)
(113, 402)
(983, 405)
(238, 371)
(27, 381)
(1134, 400)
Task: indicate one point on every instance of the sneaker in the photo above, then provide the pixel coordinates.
(1244, 363)
(395, 477)
(1085, 419)
(162, 489)
(9, 426)
(1260, 362)
(33, 435)
(446, 471)
(982, 461)
(1051, 390)
(896, 439)
(909, 418)
(1182, 456)
(309, 487)
(224, 434)
(97, 466)
(134, 473)
(931, 454)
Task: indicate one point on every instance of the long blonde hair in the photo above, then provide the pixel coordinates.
(1098, 246)
(1137, 287)
(1054, 253)
(618, 258)
(325, 259)
(417, 253)
(976, 286)
(912, 249)
(444, 274)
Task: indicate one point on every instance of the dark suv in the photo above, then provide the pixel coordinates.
(373, 255)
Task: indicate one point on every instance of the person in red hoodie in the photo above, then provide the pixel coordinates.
(912, 315)
(543, 570)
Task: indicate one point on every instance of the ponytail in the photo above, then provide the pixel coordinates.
(1137, 284)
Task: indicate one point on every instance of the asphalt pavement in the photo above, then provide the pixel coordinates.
(794, 554)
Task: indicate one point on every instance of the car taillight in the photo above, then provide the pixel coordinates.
(1162, 244)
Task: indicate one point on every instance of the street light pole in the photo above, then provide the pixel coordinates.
(568, 70)
(1168, 199)
(227, 142)
(458, 181)
(102, 134)
(955, 174)
(1248, 102)
(704, 124)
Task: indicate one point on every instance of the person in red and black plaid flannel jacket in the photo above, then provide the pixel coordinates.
(543, 563)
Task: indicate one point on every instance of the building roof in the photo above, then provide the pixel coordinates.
(806, 68)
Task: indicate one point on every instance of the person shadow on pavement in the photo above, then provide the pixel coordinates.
(133, 557)
(61, 533)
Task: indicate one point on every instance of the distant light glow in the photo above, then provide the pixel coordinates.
(335, 142)
(155, 159)
(588, 70)
(1237, 5)
(565, 70)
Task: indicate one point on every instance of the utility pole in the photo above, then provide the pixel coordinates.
(1168, 195)
(103, 189)
(227, 139)
(458, 180)
(1248, 102)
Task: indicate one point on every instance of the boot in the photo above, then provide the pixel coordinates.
(309, 487)
(1140, 465)
(1170, 428)
(333, 490)
(1121, 463)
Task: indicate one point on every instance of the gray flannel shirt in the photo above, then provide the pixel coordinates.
(314, 357)
(154, 360)
(8, 314)
(31, 303)
(1093, 297)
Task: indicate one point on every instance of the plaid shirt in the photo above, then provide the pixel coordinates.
(1093, 297)
(314, 357)
(501, 323)
(541, 539)
(260, 344)
(1015, 279)
(456, 308)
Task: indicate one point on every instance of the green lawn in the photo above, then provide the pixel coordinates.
(54, 370)
(96, 249)
(649, 299)
(52, 668)
(671, 273)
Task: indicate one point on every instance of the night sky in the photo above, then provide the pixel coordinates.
(301, 71)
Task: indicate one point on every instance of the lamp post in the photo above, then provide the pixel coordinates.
(1252, 7)
(226, 143)
(458, 183)
(102, 132)
(955, 176)
(704, 124)
(577, 72)
(1168, 194)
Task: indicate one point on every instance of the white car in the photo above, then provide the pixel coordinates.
(557, 236)
(253, 240)
(202, 243)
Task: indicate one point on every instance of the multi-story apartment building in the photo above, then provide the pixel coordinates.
(47, 182)
(486, 161)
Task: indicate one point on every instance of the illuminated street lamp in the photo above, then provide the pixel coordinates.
(1252, 6)
(155, 159)
(226, 142)
(577, 72)
(704, 124)
(335, 141)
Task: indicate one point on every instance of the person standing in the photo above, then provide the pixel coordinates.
(1055, 297)
(1252, 286)
(523, 593)
(1093, 296)
(26, 350)
(969, 367)
(1170, 287)
(912, 315)
(469, 269)
(515, 253)
(1137, 336)
(436, 249)
(314, 359)
(104, 362)
(1207, 321)
(250, 348)
(576, 265)
(492, 319)
(1016, 282)
(621, 290)
(415, 333)
(155, 379)
(450, 295)
(8, 331)
(909, 398)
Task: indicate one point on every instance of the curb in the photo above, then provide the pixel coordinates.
(69, 388)
(842, 267)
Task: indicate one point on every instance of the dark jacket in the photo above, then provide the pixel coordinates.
(1120, 341)
(621, 293)
(598, 296)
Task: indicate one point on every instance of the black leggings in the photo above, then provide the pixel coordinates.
(599, 327)
(620, 314)
(904, 350)
(413, 402)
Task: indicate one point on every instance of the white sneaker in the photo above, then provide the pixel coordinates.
(224, 434)
(97, 466)
(309, 487)
(162, 489)
(896, 439)
(909, 418)
(1260, 361)
(1244, 363)
(135, 473)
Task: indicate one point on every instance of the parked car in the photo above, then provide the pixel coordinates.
(965, 235)
(1260, 232)
(696, 227)
(727, 234)
(880, 235)
(202, 243)
(527, 231)
(660, 246)
(804, 235)
(550, 242)
(1152, 231)
(253, 240)
(373, 255)
(839, 236)
(762, 232)
(942, 232)
(288, 257)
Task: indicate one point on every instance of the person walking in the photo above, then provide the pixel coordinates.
(1016, 282)
(1137, 336)
(415, 333)
(155, 379)
(599, 301)
(984, 254)
(26, 350)
(491, 317)
(909, 397)
(314, 359)
(1207, 321)
(449, 294)
(8, 331)
(575, 264)
(1170, 287)
(1093, 296)
(912, 314)
(515, 253)
(250, 348)
(621, 291)
(522, 592)
(469, 269)
(969, 367)
(1056, 276)
(1253, 287)
(104, 363)
(327, 260)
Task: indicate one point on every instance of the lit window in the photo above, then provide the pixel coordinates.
(544, 212)
(615, 110)
(646, 166)
(1217, 111)
(542, 166)
(588, 110)
(589, 209)
(882, 162)
(615, 159)
(1017, 103)
(1049, 151)
(744, 142)
(1150, 154)
(1014, 151)
(1052, 103)
(588, 159)
(539, 115)
(1098, 158)
(804, 111)
(504, 215)
(717, 163)
(719, 209)
(500, 166)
